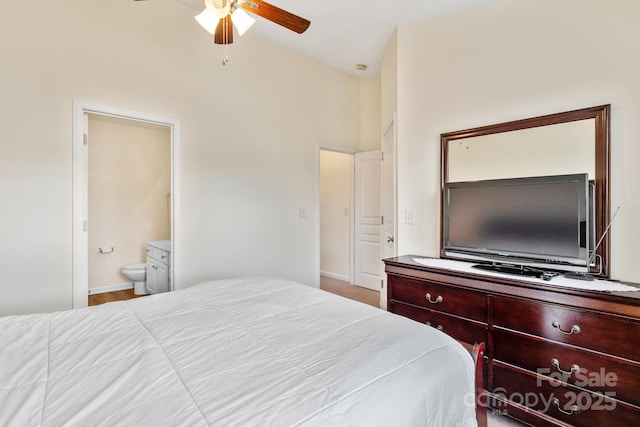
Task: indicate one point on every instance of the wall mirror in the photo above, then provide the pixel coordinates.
(556, 144)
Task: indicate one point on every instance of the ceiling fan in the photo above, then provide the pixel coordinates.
(220, 16)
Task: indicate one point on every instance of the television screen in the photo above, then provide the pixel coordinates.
(539, 221)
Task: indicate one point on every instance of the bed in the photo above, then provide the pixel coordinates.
(237, 352)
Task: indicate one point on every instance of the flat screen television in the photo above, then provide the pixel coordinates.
(537, 222)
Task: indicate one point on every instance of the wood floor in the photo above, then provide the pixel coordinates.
(97, 299)
(334, 286)
(347, 290)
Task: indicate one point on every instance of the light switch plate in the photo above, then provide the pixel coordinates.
(409, 216)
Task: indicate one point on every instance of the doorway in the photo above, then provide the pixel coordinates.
(349, 218)
(336, 207)
(100, 243)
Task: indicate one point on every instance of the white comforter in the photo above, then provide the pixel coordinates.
(241, 352)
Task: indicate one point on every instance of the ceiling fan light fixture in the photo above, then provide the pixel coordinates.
(242, 20)
(207, 21)
(218, 8)
(220, 16)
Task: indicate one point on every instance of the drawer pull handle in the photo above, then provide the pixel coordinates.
(574, 368)
(439, 327)
(574, 409)
(438, 299)
(575, 329)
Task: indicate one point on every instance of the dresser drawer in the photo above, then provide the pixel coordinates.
(468, 331)
(608, 334)
(587, 369)
(460, 302)
(563, 402)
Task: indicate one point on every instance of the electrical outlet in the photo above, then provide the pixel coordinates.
(302, 212)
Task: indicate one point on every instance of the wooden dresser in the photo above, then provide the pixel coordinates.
(555, 355)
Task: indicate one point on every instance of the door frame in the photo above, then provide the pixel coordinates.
(391, 127)
(80, 259)
(352, 152)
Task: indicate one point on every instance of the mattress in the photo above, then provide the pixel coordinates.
(237, 352)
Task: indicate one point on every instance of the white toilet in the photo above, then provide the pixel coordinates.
(137, 273)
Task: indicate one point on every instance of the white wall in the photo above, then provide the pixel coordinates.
(250, 132)
(510, 61)
(336, 199)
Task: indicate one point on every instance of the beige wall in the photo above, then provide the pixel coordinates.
(370, 114)
(129, 194)
(389, 83)
(249, 137)
(510, 61)
(336, 183)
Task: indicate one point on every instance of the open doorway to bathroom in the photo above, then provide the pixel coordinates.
(129, 203)
(123, 201)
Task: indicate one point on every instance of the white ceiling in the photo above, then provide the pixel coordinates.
(344, 33)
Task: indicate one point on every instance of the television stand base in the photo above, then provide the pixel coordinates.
(511, 269)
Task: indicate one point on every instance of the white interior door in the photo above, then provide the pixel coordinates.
(367, 220)
(388, 196)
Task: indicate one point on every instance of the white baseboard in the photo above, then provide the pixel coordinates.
(336, 276)
(111, 288)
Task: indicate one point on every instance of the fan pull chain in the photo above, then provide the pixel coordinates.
(225, 60)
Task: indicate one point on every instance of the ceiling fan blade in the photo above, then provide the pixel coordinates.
(277, 15)
(224, 31)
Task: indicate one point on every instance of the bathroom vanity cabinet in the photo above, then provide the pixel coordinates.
(158, 266)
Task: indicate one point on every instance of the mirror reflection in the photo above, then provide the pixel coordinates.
(559, 149)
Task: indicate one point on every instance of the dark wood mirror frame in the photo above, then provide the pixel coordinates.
(601, 114)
